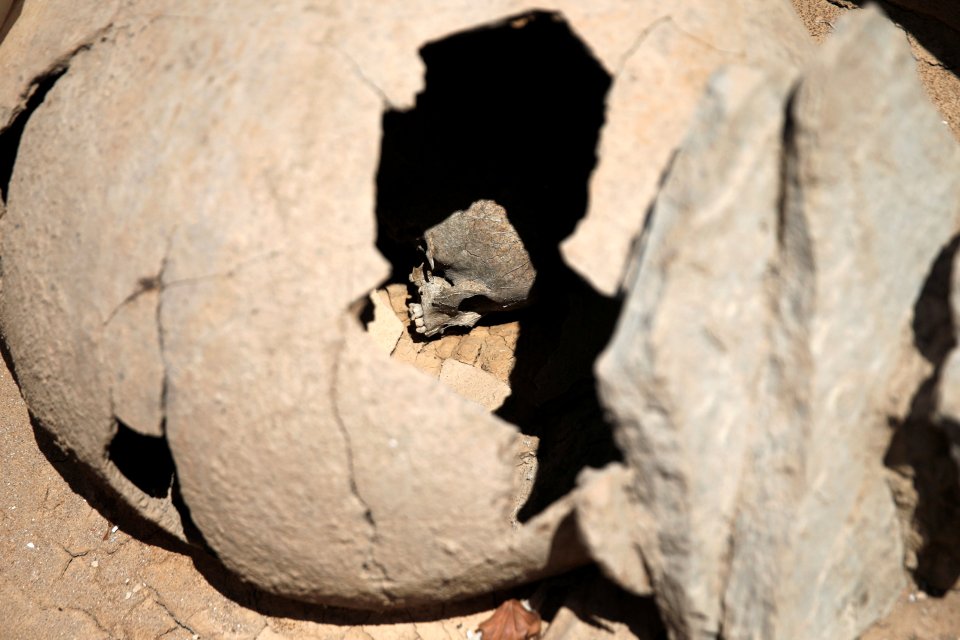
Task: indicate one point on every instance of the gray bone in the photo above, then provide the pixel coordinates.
(476, 265)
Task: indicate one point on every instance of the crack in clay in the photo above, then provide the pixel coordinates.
(144, 285)
(86, 614)
(364, 78)
(161, 340)
(351, 470)
(416, 629)
(843, 4)
(648, 31)
(176, 620)
(156, 283)
(443, 626)
(709, 45)
(158, 599)
(638, 42)
(73, 556)
(936, 64)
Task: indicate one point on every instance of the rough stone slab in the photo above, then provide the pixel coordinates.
(873, 183)
(683, 370)
(751, 370)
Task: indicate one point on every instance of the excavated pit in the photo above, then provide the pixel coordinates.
(510, 113)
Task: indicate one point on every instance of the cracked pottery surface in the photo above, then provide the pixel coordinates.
(159, 273)
(198, 289)
(186, 238)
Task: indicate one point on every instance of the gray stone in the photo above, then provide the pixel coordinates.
(691, 350)
(873, 176)
(750, 371)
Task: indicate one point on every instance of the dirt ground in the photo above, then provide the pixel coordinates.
(936, 46)
(70, 568)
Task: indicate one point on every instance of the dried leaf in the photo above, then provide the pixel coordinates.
(511, 621)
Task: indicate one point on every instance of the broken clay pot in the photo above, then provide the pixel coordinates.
(186, 233)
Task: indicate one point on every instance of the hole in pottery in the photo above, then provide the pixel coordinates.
(508, 121)
(145, 461)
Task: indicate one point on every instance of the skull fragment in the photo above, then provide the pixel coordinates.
(476, 264)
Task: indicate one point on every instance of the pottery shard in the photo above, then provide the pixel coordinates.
(608, 515)
(762, 326)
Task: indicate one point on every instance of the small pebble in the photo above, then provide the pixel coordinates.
(95, 564)
(30, 545)
(127, 596)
